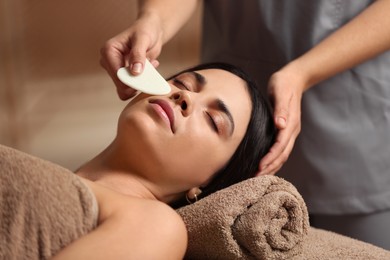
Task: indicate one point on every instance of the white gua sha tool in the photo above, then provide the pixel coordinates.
(149, 81)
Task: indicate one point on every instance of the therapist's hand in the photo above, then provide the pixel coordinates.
(131, 48)
(285, 89)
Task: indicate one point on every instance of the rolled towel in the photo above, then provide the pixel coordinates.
(259, 218)
(43, 207)
(322, 244)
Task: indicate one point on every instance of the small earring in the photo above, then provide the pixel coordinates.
(194, 195)
(191, 201)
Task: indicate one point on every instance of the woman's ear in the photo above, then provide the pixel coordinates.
(192, 194)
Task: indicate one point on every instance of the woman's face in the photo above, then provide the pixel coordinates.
(180, 140)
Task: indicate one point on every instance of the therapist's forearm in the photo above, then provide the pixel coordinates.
(363, 38)
(172, 14)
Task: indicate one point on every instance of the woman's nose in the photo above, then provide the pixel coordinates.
(184, 100)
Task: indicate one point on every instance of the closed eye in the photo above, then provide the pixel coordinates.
(212, 123)
(180, 84)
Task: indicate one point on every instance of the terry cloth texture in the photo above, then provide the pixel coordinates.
(259, 218)
(321, 244)
(43, 207)
(264, 218)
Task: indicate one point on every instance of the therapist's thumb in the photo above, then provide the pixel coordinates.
(137, 56)
(137, 61)
(281, 105)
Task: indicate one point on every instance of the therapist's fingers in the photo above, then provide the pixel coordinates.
(140, 51)
(130, 48)
(155, 63)
(278, 154)
(285, 139)
(112, 58)
(145, 42)
(285, 96)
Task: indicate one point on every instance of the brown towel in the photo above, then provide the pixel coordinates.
(43, 207)
(260, 218)
(321, 244)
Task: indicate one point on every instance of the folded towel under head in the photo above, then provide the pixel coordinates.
(260, 218)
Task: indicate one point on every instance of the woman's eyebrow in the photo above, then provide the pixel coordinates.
(222, 107)
(200, 79)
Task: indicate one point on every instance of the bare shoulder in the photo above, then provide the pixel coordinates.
(139, 228)
(158, 215)
(154, 228)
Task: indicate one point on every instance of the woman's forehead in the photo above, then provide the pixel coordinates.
(222, 80)
(230, 88)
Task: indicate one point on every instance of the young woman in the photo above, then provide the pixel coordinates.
(326, 64)
(201, 137)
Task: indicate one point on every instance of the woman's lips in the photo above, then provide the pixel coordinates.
(164, 109)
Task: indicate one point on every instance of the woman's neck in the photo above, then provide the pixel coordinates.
(100, 170)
